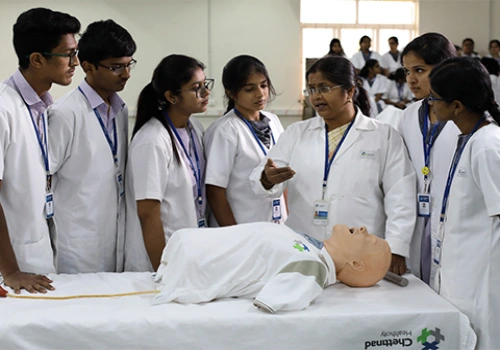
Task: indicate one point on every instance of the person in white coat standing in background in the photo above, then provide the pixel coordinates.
(364, 54)
(430, 144)
(342, 166)
(236, 143)
(46, 48)
(88, 151)
(466, 247)
(165, 182)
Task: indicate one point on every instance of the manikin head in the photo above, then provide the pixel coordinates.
(361, 259)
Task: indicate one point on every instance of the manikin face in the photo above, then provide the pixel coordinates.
(253, 96)
(60, 70)
(329, 105)
(417, 75)
(189, 101)
(361, 259)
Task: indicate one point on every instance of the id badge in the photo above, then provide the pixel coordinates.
(276, 210)
(49, 205)
(202, 223)
(321, 213)
(424, 205)
(121, 187)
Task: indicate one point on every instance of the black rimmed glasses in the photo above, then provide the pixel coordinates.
(431, 98)
(322, 90)
(201, 90)
(72, 55)
(119, 69)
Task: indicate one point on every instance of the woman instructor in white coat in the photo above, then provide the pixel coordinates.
(430, 144)
(342, 166)
(466, 247)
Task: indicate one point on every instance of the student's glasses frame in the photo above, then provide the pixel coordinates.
(120, 69)
(72, 55)
(200, 91)
(321, 90)
(432, 98)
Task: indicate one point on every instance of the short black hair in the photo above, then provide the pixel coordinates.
(103, 40)
(491, 65)
(40, 30)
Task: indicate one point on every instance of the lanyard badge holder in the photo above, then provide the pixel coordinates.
(276, 210)
(322, 207)
(44, 148)
(196, 170)
(437, 245)
(424, 198)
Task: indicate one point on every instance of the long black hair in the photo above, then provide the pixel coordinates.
(331, 52)
(171, 73)
(340, 71)
(466, 80)
(366, 68)
(235, 75)
(431, 47)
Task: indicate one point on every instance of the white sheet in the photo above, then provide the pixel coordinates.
(341, 318)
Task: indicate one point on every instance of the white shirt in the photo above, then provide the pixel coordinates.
(232, 153)
(358, 61)
(495, 85)
(23, 176)
(371, 181)
(270, 262)
(89, 221)
(439, 163)
(470, 255)
(393, 93)
(153, 173)
(379, 85)
(389, 63)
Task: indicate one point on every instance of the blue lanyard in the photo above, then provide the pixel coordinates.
(112, 145)
(197, 175)
(45, 150)
(400, 88)
(253, 132)
(453, 168)
(428, 145)
(328, 164)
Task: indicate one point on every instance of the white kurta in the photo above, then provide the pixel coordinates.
(22, 172)
(471, 247)
(89, 221)
(232, 153)
(440, 160)
(270, 262)
(153, 173)
(389, 63)
(358, 61)
(371, 181)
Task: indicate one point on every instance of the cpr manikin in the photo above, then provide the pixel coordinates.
(283, 270)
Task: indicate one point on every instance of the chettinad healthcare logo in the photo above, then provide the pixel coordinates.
(429, 339)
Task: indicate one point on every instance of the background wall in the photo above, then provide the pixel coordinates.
(214, 31)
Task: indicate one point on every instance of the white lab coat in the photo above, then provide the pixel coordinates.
(471, 246)
(392, 93)
(379, 86)
(22, 172)
(232, 153)
(371, 182)
(270, 262)
(495, 85)
(153, 173)
(89, 221)
(359, 62)
(440, 160)
(389, 63)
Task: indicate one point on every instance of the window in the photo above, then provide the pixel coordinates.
(349, 20)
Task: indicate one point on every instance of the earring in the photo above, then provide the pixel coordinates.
(173, 102)
(349, 100)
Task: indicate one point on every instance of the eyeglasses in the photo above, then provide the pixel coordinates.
(321, 90)
(120, 69)
(72, 55)
(200, 91)
(432, 98)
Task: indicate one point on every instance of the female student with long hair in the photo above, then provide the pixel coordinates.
(374, 83)
(364, 54)
(430, 144)
(336, 48)
(342, 166)
(466, 248)
(236, 143)
(165, 170)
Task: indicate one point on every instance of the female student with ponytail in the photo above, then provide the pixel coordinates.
(430, 144)
(236, 143)
(166, 166)
(466, 248)
(342, 166)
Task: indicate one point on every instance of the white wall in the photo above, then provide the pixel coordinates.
(213, 31)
